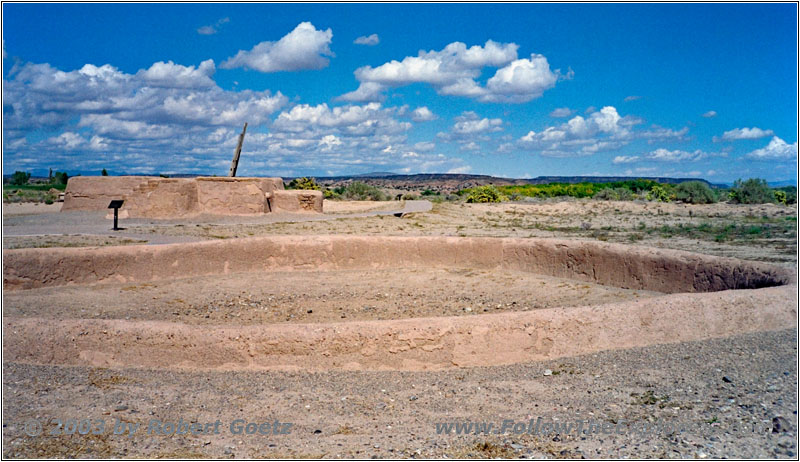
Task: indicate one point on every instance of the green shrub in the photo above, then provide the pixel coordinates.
(606, 194)
(659, 193)
(579, 190)
(330, 194)
(614, 194)
(791, 194)
(483, 194)
(104, 172)
(751, 191)
(359, 191)
(20, 178)
(695, 192)
(780, 196)
(304, 183)
(551, 190)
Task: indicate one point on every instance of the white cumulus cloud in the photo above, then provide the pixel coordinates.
(743, 134)
(369, 40)
(665, 155)
(604, 130)
(173, 75)
(560, 112)
(68, 140)
(777, 149)
(422, 114)
(469, 124)
(303, 48)
(127, 120)
(454, 70)
(658, 133)
(625, 159)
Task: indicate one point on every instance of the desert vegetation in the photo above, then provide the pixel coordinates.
(303, 183)
(483, 194)
(357, 191)
(20, 188)
(751, 191)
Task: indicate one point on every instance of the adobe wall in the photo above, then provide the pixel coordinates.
(297, 200)
(162, 198)
(156, 197)
(631, 267)
(95, 192)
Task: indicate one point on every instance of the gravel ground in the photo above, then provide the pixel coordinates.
(734, 397)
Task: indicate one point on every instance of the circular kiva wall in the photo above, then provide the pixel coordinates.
(617, 265)
(702, 299)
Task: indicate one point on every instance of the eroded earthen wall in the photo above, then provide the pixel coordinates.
(618, 265)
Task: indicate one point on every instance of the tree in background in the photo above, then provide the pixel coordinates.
(59, 178)
(104, 172)
(695, 192)
(20, 178)
(752, 191)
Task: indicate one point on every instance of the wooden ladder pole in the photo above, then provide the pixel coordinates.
(237, 153)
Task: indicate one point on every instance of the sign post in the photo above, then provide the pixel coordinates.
(115, 204)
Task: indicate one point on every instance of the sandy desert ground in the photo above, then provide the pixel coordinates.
(732, 397)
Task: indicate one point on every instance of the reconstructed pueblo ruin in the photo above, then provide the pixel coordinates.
(156, 197)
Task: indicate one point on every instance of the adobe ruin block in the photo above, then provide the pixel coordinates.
(156, 197)
(95, 192)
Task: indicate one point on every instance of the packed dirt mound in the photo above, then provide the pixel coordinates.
(617, 265)
(407, 344)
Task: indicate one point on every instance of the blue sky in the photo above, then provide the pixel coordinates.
(516, 90)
